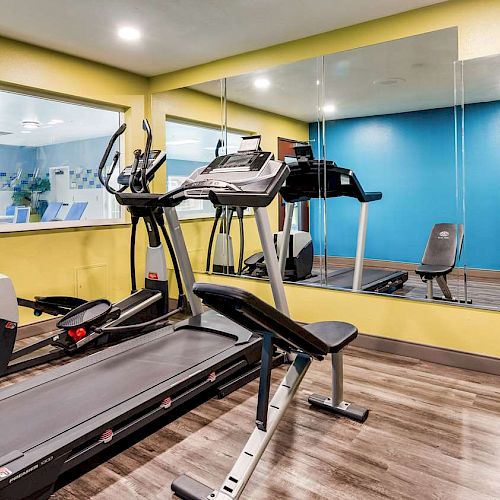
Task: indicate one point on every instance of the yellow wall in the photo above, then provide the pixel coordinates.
(449, 326)
(477, 22)
(49, 262)
(462, 328)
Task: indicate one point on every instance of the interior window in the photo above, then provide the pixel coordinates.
(49, 156)
(190, 146)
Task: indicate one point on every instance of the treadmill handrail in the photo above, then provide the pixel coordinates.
(295, 189)
(257, 316)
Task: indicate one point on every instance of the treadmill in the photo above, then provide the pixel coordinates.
(55, 421)
(310, 178)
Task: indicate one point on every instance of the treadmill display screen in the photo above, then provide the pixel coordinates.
(251, 162)
(249, 144)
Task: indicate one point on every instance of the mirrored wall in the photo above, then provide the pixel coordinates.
(395, 152)
(478, 145)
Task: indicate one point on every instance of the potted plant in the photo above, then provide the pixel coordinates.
(29, 195)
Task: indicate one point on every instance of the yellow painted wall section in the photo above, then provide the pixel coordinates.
(47, 262)
(441, 325)
(189, 104)
(477, 22)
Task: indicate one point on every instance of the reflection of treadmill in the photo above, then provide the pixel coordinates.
(311, 178)
(55, 421)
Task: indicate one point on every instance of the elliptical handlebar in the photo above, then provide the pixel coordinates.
(136, 176)
(114, 138)
(147, 151)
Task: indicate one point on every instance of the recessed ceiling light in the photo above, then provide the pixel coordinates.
(262, 83)
(329, 108)
(55, 122)
(129, 33)
(389, 81)
(25, 131)
(31, 124)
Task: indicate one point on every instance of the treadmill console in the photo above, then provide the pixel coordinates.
(250, 177)
(238, 162)
(156, 159)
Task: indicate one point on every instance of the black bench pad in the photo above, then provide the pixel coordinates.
(335, 334)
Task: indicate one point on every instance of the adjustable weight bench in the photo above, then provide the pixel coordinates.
(314, 341)
(440, 256)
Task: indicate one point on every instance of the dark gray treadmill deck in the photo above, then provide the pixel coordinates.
(342, 278)
(40, 413)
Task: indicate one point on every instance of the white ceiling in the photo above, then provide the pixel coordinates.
(481, 80)
(78, 122)
(180, 33)
(424, 63)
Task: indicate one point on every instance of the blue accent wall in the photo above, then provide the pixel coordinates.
(83, 158)
(13, 158)
(410, 157)
(482, 174)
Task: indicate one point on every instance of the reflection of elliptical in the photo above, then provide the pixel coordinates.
(143, 310)
(223, 261)
(299, 257)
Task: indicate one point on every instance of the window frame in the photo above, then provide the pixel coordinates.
(57, 225)
(184, 215)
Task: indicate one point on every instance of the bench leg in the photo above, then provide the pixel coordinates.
(443, 284)
(430, 289)
(336, 403)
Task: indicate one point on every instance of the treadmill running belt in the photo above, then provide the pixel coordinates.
(44, 411)
(343, 278)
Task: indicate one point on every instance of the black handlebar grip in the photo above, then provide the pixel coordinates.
(120, 130)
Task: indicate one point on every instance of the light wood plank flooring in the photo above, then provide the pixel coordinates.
(433, 432)
(482, 292)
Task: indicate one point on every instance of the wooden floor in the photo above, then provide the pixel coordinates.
(483, 292)
(433, 432)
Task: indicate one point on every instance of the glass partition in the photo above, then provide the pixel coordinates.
(478, 97)
(191, 145)
(282, 104)
(386, 127)
(49, 155)
(389, 112)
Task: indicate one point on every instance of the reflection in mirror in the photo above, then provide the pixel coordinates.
(192, 145)
(278, 103)
(390, 125)
(379, 121)
(50, 151)
(480, 162)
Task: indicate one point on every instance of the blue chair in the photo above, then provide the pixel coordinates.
(76, 210)
(10, 210)
(22, 215)
(51, 212)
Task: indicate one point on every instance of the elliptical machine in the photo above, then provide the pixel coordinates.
(223, 260)
(143, 310)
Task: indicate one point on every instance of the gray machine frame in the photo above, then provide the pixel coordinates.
(360, 245)
(31, 460)
(275, 329)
